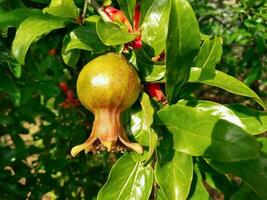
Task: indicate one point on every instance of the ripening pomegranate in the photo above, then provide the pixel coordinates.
(106, 86)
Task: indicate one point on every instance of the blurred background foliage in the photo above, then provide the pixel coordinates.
(39, 124)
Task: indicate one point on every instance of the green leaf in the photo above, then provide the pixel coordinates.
(148, 70)
(253, 172)
(225, 82)
(15, 68)
(5, 119)
(255, 121)
(14, 17)
(173, 173)
(198, 190)
(30, 30)
(86, 38)
(155, 26)
(161, 195)
(183, 41)
(8, 86)
(140, 127)
(148, 111)
(128, 7)
(112, 34)
(59, 8)
(70, 57)
(203, 131)
(144, 8)
(127, 180)
(263, 141)
(208, 56)
(244, 193)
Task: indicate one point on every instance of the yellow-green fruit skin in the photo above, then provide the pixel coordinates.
(108, 82)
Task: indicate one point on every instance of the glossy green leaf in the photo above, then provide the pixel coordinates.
(225, 82)
(244, 193)
(148, 111)
(148, 70)
(140, 127)
(255, 121)
(8, 86)
(174, 173)
(128, 6)
(62, 8)
(208, 56)
(144, 8)
(14, 17)
(161, 195)
(155, 26)
(112, 34)
(200, 131)
(30, 30)
(15, 68)
(70, 57)
(127, 180)
(183, 41)
(198, 190)
(263, 141)
(253, 172)
(86, 38)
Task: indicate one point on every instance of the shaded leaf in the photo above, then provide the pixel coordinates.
(14, 17)
(253, 172)
(183, 41)
(244, 193)
(8, 86)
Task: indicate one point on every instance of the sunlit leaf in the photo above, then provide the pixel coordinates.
(30, 30)
(203, 131)
(255, 121)
(155, 26)
(183, 41)
(174, 173)
(62, 8)
(127, 180)
(112, 34)
(225, 82)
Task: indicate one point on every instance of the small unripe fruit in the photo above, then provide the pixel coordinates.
(107, 86)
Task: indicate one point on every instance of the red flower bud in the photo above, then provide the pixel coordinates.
(154, 90)
(63, 86)
(136, 18)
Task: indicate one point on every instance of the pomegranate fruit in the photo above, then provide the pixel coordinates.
(106, 86)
